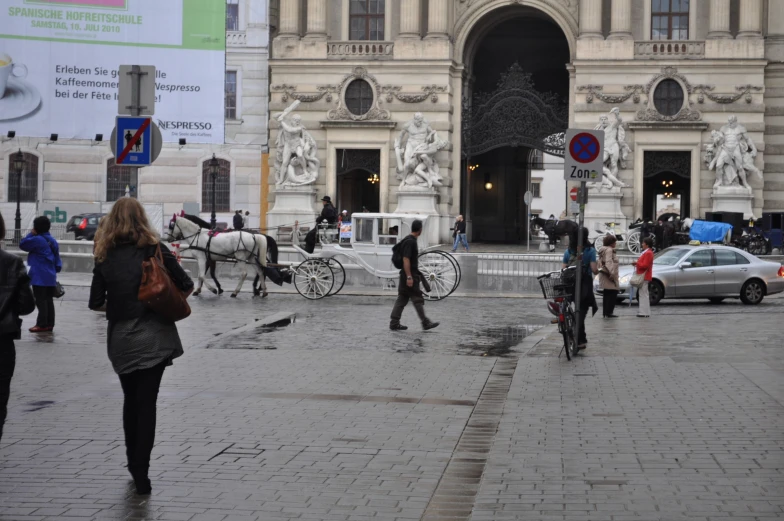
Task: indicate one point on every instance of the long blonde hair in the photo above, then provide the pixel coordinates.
(126, 223)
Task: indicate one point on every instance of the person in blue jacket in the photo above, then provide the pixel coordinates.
(44, 261)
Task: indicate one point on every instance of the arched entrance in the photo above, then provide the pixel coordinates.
(666, 184)
(516, 94)
(358, 180)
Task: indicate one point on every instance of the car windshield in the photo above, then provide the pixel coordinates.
(670, 256)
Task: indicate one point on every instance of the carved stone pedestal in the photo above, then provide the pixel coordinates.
(604, 206)
(292, 204)
(422, 202)
(733, 199)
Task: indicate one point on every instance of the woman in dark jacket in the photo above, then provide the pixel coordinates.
(140, 343)
(16, 298)
(43, 257)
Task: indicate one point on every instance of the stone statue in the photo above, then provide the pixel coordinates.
(616, 151)
(731, 153)
(296, 163)
(417, 167)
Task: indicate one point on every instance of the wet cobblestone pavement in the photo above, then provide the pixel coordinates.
(333, 417)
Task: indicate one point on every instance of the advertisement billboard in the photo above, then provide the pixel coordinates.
(59, 62)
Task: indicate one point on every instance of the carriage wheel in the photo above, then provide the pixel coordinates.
(441, 273)
(339, 274)
(633, 242)
(313, 279)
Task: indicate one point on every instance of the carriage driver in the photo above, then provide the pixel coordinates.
(328, 213)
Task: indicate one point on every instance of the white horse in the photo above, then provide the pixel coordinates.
(247, 248)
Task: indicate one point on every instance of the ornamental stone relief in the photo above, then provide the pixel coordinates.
(650, 113)
(389, 93)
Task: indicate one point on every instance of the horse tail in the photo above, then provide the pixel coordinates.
(261, 257)
(272, 249)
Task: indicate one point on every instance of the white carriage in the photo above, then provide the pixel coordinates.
(373, 235)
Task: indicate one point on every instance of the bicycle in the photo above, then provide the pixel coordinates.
(558, 290)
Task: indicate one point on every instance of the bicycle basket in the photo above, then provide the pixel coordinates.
(558, 284)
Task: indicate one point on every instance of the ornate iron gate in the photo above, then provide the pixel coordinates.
(514, 115)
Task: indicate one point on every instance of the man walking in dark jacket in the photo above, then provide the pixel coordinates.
(408, 285)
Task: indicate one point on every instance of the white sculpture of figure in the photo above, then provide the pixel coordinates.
(615, 149)
(295, 162)
(732, 154)
(417, 167)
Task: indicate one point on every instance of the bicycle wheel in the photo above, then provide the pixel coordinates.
(568, 333)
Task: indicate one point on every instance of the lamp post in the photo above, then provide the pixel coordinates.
(19, 164)
(214, 171)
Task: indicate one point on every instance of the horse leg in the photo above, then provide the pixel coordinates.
(202, 272)
(256, 291)
(213, 265)
(263, 279)
(242, 278)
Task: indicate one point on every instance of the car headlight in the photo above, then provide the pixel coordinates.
(625, 279)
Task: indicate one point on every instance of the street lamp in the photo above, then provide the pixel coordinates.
(19, 164)
(214, 171)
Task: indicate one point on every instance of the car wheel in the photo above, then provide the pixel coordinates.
(655, 292)
(716, 300)
(752, 292)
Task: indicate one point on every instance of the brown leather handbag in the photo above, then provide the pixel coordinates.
(158, 291)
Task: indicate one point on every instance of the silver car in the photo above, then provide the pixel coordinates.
(708, 271)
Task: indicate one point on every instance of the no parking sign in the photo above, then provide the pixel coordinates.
(584, 157)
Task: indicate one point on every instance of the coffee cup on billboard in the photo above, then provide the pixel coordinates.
(7, 69)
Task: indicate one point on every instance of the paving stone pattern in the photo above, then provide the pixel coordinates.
(335, 418)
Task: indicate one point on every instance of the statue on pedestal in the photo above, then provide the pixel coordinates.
(616, 151)
(417, 167)
(731, 154)
(296, 163)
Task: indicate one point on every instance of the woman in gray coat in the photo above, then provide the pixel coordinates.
(608, 275)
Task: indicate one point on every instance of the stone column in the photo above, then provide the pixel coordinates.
(591, 19)
(317, 18)
(719, 20)
(621, 20)
(409, 19)
(751, 19)
(438, 19)
(289, 18)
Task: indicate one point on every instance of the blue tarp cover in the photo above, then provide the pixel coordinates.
(706, 231)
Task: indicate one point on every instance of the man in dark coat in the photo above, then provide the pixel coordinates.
(237, 221)
(408, 285)
(328, 213)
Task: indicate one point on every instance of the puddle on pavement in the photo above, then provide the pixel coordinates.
(495, 341)
(254, 338)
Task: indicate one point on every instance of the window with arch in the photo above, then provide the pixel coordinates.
(118, 178)
(29, 180)
(359, 97)
(366, 19)
(670, 20)
(668, 97)
(222, 187)
(536, 160)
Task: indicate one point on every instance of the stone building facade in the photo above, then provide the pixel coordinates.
(80, 174)
(499, 78)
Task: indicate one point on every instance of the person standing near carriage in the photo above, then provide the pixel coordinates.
(460, 234)
(644, 266)
(408, 285)
(608, 275)
(238, 221)
(587, 298)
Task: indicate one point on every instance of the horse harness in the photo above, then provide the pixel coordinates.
(195, 246)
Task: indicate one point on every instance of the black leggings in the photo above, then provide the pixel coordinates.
(139, 414)
(609, 298)
(44, 301)
(7, 364)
